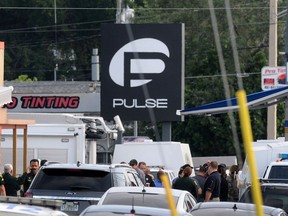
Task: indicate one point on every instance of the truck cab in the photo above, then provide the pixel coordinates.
(277, 170)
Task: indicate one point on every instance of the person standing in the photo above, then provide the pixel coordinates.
(158, 181)
(233, 190)
(187, 183)
(181, 173)
(148, 178)
(200, 177)
(134, 164)
(11, 183)
(224, 183)
(31, 172)
(211, 190)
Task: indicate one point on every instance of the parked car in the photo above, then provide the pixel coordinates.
(170, 174)
(233, 209)
(116, 210)
(80, 185)
(149, 197)
(18, 206)
(274, 194)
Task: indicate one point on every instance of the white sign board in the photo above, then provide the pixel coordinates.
(273, 77)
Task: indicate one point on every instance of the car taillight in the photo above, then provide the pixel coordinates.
(28, 195)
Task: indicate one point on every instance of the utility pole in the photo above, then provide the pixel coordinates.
(272, 110)
(55, 28)
(286, 54)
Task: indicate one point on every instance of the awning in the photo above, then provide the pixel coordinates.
(5, 95)
(254, 101)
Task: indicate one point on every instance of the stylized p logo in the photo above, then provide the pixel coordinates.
(137, 62)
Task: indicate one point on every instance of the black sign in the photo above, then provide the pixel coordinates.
(142, 71)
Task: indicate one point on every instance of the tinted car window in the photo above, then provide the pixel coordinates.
(73, 179)
(278, 172)
(137, 199)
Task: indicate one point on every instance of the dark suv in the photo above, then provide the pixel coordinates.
(80, 185)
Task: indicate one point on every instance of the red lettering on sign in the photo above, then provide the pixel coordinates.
(13, 104)
(269, 81)
(49, 102)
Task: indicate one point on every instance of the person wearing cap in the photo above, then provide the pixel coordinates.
(211, 190)
(233, 190)
(180, 173)
(134, 164)
(224, 183)
(187, 183)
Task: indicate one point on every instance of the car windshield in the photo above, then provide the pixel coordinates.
(137, 199)
(73, 179)
(278, 172)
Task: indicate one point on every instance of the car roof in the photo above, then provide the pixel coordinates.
(104, 167)
(127, 209)
(159, 168)
(280, 163)
(20, 209)
(272, 182)
(216, 208)
(156, 190)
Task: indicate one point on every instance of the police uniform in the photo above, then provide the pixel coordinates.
(12, 184)
(212, 184)
(30, 176)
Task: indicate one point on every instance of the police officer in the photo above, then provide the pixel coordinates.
(211, 190)
(31, 172)
(11, 183)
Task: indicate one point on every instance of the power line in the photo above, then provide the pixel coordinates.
(220, 75)
(168, 8)
(52, 8)
(34, 28)
(48, 43)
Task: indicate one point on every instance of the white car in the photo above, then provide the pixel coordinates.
(114, 210)
(149, 197)
(170, 174)
(13, 209)
(17, 206)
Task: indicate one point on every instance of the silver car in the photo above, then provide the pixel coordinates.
(233, 209)
(117, 210)
(274, 194)
(149, 197)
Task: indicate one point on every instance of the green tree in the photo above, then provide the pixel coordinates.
(34, 45)
(25, 78)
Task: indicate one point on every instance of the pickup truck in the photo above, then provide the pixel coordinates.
(277, 170)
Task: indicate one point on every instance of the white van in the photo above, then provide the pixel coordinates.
(166, 154)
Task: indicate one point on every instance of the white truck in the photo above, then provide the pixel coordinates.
(270, 158)
(57, 137)
(166, 154)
